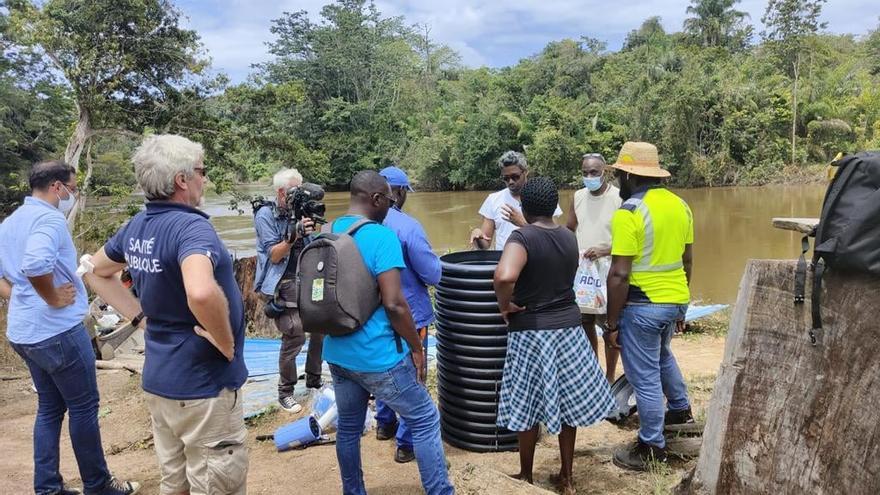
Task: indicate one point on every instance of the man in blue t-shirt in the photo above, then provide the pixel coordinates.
(371, 359)
(422, 269)
(194, 366)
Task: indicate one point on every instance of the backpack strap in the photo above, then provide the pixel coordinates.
(357, 226)
(351, 231)
(818, 271)
(800, 274)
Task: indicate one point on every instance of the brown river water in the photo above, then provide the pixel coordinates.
(732, 225)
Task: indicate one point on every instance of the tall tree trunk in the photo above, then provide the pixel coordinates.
(794, 95)
(77, 141)
(80, 205)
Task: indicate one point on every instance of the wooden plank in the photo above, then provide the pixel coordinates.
(131, 362)
(685, 429)
(683, 447)
(802, 225)
(787, 416)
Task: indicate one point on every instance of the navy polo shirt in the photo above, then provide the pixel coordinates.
(179, 364)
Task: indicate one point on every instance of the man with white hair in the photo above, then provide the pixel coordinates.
(277, 246)
(194, 366)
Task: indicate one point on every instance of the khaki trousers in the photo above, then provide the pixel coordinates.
(200, 444)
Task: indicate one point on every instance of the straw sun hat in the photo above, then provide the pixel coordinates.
(640, 159)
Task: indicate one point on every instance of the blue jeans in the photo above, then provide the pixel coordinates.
(63, 370)
(385, 416)
(645, 335)
(400, 390)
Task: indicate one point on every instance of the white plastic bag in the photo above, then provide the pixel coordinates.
(589, 285)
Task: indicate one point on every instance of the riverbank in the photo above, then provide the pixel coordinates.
(125, 430)
(790, 175)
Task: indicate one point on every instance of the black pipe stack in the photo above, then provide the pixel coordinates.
(471, 345)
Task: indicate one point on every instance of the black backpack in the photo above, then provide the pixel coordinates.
(336, 294)
(848, 233)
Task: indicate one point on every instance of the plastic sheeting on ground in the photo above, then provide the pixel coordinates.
(261, 358)
(695, 312)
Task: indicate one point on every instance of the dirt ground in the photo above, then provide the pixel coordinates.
(125, 430)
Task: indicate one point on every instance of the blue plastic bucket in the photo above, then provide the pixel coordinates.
(301, 432)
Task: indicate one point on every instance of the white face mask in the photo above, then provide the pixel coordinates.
(65, 205)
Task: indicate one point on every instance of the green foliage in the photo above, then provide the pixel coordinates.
(872, 47)
(110, 171)
(358, 90)
(34, 117)
(717, 23)
(788, 25)
(828, 137)
(122, 59)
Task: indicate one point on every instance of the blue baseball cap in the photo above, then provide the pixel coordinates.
(396, 177)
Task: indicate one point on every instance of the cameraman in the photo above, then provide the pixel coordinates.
(279, 241)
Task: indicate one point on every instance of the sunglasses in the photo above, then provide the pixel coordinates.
(594, 155)
(203, 171)
(511, 177)
(391, 201)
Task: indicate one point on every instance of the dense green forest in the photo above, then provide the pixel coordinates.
(724, 103)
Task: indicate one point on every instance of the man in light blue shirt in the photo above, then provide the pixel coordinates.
(371, 361)
(422, 269)
(277, 251)
(44, 326)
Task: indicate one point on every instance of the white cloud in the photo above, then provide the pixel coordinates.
(494, 32)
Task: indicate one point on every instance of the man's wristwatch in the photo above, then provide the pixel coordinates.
(612, 328)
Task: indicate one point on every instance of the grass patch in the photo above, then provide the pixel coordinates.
(662, 478)
(700, 388)
(264, 417)
(714, 325)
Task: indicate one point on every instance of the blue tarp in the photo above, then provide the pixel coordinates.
(261, 357)
(695, 312)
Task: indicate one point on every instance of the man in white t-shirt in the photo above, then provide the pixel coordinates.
(589, 217)
(502, 212)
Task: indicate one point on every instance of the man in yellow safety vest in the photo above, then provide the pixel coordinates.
(651, 238)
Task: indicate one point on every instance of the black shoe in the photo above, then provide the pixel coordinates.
(116, 487)
(313, 381)
(404, 455)
(681, 417)
(639, 456)
(386, 432)
(289, 404)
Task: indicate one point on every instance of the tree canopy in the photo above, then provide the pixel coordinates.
(356, 89)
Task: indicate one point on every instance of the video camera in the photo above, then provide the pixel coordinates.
(306, 201)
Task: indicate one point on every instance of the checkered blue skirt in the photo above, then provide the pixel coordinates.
(552, 377)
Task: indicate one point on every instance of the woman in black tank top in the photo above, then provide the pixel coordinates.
(551, 375)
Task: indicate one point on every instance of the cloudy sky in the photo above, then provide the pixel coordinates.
(495, 33)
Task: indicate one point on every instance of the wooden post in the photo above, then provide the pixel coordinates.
(786, 416)
(258, 323)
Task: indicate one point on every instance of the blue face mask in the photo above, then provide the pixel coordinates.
(593, 183)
